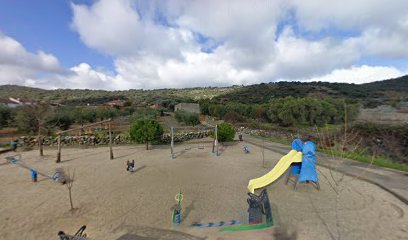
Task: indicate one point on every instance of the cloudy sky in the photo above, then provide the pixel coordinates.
(123, 44)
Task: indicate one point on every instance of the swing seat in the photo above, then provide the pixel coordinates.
(246, 149)
(79, 235)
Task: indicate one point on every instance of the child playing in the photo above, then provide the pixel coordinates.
(33, 175)
(130, 166)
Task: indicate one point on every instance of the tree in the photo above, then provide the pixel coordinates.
(88, 114)
(143, 113)
(62, 118)
(36, 118)
(204, 107)
(193, 119)
(286, 118)
(233, 117)
(106, 112)
(146, 130)
(260, 112)
(187, 117)
(25, 122)
(5, 116)
(64, 121)
(127, 111)
(69, 182)
(42, 113)
(225, 132)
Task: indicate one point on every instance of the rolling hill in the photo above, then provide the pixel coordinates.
(370, 94)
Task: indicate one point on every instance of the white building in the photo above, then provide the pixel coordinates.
(188, 107)
(15, 102)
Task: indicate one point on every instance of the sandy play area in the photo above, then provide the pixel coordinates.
(115, 204)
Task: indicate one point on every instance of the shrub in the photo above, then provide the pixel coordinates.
(310, 111)
(5, 116)
(144, 113)
(226, 132)
(146, 130)
(187, 117)
(233, 117)
(26, 122)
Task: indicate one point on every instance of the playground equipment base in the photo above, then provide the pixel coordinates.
(259, 214)
(246, 227)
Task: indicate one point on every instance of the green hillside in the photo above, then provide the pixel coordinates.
(84, 96)
(371, 94)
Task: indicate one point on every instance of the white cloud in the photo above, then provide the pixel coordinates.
(300, 58)
(114, 27)
(381, 27)
(389, 43)
(315, 15)
(17, 65)
(360, 74)
(159, 44)
(93, 79)
(13, 53)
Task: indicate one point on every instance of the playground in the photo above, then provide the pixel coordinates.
(116, 204)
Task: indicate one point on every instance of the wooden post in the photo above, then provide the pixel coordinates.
(172, 142)
(216, 137)
(41, 145)
(80, 130)
(110, 141)
(59, 149)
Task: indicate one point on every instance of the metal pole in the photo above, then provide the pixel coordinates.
(110, 141)
(172, 142)
(213, 142)
(59, 149)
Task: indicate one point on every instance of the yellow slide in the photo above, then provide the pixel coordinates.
(279, 169)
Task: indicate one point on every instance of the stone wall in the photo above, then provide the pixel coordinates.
(31, 141)
(181, 137)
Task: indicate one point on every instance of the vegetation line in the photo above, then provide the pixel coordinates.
(380, 161)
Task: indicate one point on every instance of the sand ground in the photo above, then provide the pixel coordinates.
(115, 204)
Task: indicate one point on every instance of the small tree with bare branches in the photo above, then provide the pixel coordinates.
(69, 182)
(349, 140)
(39, 115)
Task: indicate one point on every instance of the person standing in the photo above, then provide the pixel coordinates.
(14, 145)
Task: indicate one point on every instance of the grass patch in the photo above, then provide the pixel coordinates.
(280, 140)
(380, 161)
(296, 127)
(5, 145)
